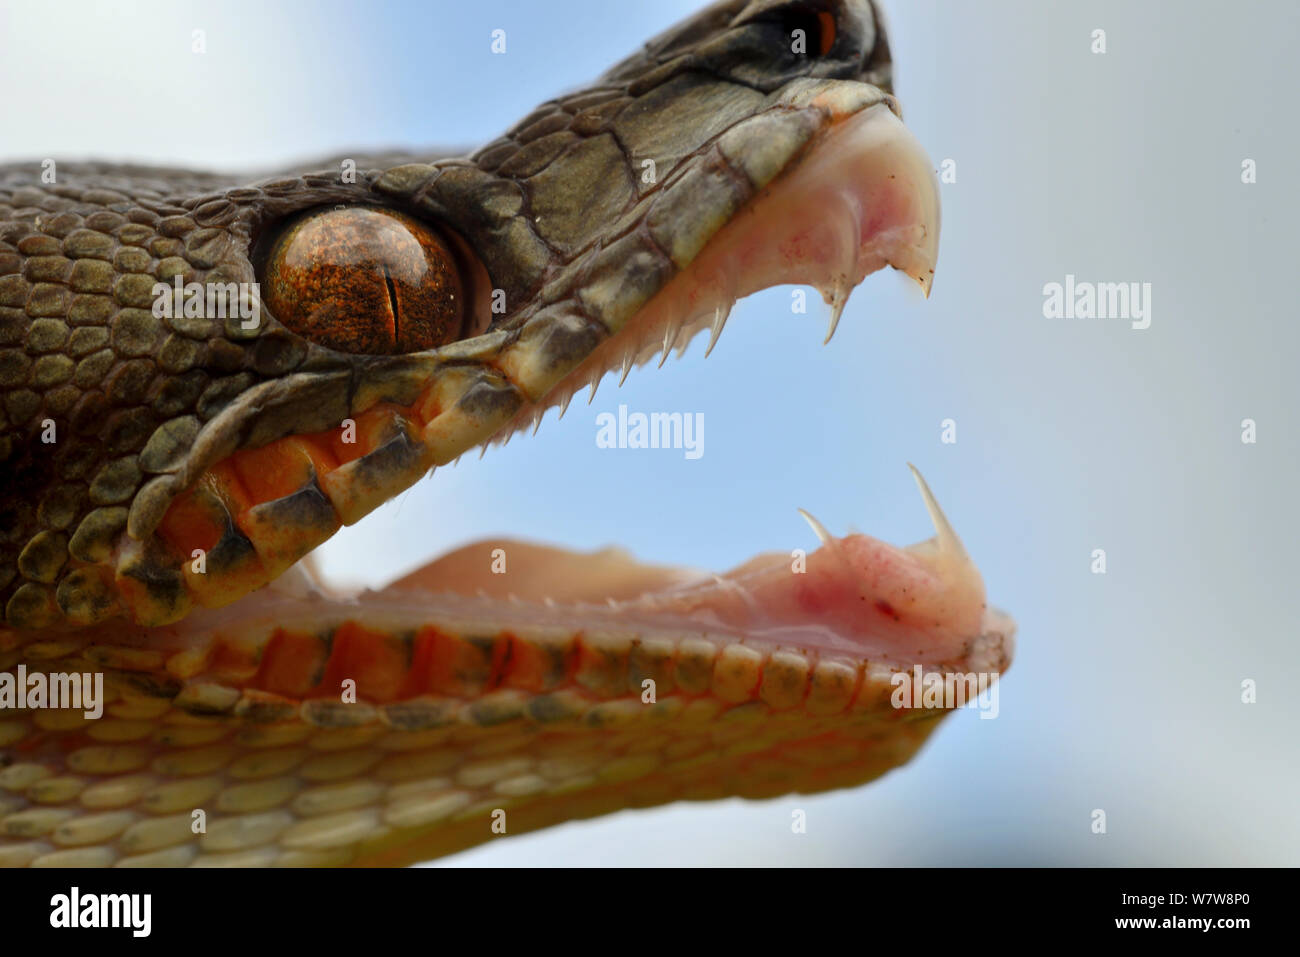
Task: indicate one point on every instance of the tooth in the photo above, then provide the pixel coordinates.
(564, 404)
(839, 299)
(627, 366)
(945, 537)
(595, 381)
(854, 213)
(818, 528)
(537, 420)
(719, 320)
(670, 333)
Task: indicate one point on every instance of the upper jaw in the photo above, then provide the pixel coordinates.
(840, 189)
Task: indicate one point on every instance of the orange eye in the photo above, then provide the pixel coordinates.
(365, 280)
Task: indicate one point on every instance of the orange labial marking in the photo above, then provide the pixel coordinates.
(225, 481)
(196, 519)
(317, 445)
(423, 652)
(375, 660)
(233, 662)
(534, 667)
(427, 407)
(252, 477)
(292, 663)
(602, 665)
(274, 473)
(223, 495)
(451, 665)
(275, 470)
(240, 493)
(373, 428)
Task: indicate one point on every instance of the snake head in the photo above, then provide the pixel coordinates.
(405, 310)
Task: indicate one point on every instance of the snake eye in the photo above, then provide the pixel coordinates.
(365, 280)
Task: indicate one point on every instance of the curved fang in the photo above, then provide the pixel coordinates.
(945, 536)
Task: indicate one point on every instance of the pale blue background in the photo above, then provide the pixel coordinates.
(1072, 435)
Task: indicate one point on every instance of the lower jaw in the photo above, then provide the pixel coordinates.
(855, 611)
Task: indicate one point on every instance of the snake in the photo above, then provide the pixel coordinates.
(204, 376)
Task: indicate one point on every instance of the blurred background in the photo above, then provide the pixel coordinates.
(1072, 434)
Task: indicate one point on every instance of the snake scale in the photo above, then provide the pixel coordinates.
(167, 458)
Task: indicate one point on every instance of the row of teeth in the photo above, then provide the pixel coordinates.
(678, 336)
(721, 292)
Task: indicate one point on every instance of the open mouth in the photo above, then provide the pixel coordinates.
(861, 197)
(388, 726)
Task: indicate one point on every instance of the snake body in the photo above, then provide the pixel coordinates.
(160, 474)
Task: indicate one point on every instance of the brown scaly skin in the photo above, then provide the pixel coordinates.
(574, 242)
